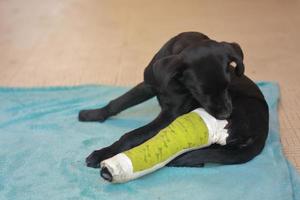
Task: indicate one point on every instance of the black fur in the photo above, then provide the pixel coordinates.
(192, 71)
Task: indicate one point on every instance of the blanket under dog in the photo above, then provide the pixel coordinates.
(43, 148)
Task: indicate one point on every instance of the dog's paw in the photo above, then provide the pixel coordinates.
(93, 115)
(95, 158)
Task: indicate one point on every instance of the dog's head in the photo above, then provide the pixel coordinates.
(204, 70)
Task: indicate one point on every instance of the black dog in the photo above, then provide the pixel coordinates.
(188, 72)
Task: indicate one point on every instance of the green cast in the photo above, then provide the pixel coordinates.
(185, 132)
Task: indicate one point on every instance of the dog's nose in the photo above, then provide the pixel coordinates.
(223, 115)
(106, 174)
(225, 112)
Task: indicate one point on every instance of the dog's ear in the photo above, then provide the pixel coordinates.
(236, 55)
(167, 68)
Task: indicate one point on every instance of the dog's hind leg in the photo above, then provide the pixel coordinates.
(198, 158)
(136, 95)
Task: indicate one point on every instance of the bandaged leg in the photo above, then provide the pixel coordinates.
(191, 131)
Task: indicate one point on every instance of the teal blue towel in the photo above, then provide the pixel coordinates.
(43, 148)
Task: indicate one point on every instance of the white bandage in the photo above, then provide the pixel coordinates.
(216, 127)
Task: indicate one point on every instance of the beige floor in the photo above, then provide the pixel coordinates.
(71, 42)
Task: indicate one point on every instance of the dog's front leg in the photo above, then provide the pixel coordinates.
(129, 140)
(136, 95)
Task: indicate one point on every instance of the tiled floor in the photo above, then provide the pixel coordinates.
(72, 42)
